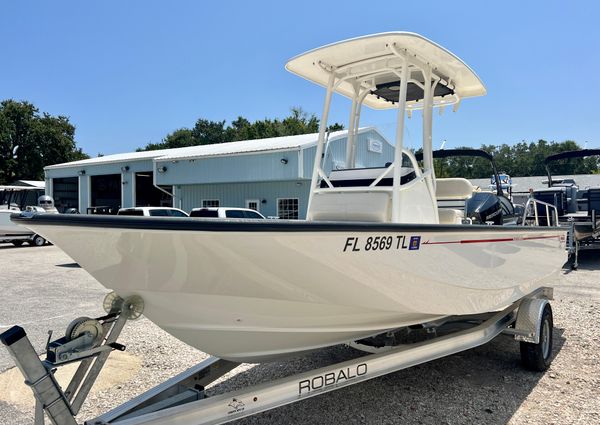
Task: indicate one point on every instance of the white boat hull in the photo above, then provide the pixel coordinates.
(256, 295)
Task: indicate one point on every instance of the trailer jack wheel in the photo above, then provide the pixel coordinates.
(537, 357)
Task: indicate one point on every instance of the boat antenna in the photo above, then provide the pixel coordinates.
(443, 144)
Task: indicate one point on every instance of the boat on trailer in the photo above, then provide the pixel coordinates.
(375, 253)
(16, 198)
(578, 208)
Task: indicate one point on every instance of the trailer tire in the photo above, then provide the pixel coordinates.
(537, 357)
(37, 241)
(17, 243)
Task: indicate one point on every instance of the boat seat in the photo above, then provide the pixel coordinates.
(453, 189)
(450, 216)
(452, 195)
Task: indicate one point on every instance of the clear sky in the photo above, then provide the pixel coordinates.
(129, 72)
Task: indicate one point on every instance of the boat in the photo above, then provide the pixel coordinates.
(15, 198)
(375, 253)
(505, 183)
(577, 207)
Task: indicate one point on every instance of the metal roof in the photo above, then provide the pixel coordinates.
(301, 141)
(40, 184)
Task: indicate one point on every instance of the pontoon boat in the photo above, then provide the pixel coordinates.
(578, 208)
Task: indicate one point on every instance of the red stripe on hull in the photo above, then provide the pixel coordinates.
(490, 240)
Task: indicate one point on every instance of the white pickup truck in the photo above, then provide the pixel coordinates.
(153, 212)
(225, 212)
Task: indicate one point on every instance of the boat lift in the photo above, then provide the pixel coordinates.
(182, 399)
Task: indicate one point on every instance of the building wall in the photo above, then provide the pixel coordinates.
(235, 195)
(127, 179)
(266, 166)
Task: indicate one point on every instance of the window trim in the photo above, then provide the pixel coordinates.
(257, 204)
(298, 211)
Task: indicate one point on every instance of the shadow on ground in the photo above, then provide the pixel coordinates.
(69, 265)
(483, 385)
(11, 246)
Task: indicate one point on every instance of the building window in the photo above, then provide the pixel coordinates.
(209, 203)
(253, 204)
(287, 208)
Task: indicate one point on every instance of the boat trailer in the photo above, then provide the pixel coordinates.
(182, 399)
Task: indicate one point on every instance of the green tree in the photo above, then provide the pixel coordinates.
(30, 141)
(207, 132)
(520, 159)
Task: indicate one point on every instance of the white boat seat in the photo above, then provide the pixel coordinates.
(453, 189)
(450, 216)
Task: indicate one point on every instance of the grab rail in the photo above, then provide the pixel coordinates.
(535, 202)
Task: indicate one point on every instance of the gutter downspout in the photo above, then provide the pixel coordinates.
(154, 172)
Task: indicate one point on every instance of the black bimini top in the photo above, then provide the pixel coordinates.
(250, 225)
(449, 153)
(572, 154)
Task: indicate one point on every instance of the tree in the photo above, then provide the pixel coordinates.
(520, 159)
(207, 132)
(29, 142)
(178, 139)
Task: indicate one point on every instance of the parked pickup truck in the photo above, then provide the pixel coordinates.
(224, 212)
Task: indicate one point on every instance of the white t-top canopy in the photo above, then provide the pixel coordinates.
(372, 62)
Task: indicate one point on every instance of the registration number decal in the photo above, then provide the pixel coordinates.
(382, 243)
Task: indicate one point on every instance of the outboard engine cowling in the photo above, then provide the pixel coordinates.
(484, 207)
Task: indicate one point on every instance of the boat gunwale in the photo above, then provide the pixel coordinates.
(253, 225)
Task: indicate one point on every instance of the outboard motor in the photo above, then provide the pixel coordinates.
(47, 203)
(484, 208)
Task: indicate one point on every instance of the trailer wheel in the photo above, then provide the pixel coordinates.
(537, 357)
(38, 241)
(17, 243)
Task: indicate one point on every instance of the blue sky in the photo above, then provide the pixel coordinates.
(129, 72)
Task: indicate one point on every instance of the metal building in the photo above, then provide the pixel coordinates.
(269, 175)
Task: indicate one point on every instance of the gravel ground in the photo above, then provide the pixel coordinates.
(42, 289)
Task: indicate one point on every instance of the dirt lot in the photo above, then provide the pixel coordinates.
(43, 289)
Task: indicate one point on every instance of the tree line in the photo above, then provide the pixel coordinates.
(519, 160)
(206, 132)
(30, 140)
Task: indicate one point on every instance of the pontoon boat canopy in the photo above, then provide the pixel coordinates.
(572, 154)
(362, 60)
